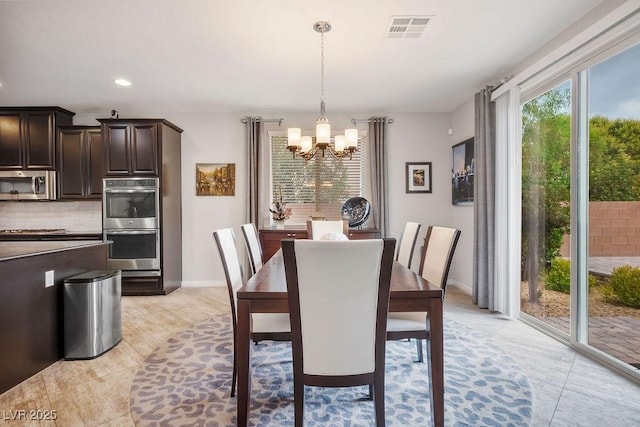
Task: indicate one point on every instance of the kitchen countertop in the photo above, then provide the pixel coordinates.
(62, 235)
(13, 250)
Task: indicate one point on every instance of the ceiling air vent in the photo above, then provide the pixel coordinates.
(406, 26)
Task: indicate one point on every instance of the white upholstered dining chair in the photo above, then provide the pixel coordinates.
(440, 245)
(252, 243)
(407, 243)
(347, 347)
(316, 230)
(273, 326)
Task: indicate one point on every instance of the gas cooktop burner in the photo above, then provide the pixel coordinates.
(33, 231)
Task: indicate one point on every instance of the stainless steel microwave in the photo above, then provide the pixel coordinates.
(28, 185)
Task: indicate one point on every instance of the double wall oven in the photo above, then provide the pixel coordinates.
(131, 220)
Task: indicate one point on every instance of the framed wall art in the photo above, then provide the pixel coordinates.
(463, 173)
(418, 177)
(215, 179)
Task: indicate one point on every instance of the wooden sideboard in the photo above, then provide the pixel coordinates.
(270, 238)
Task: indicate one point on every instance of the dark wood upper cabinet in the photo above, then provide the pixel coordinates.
(28, 137)
(133, 147)
(11, 152)
(80, 162)
(95, 161)
(144, 159)
(116, 138)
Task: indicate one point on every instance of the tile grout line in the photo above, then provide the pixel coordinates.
(562, 390)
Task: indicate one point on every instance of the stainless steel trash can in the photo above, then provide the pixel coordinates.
(92, 313)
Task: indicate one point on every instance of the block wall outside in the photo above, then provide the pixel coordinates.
(614, 229)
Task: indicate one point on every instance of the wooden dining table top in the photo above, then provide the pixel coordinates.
(271, 283)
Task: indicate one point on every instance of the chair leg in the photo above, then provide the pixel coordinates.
(419, 350)
(234, 375)
(378, 402)
(429, 373)
(298, 402)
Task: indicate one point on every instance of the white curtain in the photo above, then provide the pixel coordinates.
(496, 278)
(506, 267)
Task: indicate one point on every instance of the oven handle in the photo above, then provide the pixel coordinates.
(142, 190)
(154, 231)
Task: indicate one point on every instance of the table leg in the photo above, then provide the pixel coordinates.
(244, 362)
(435, 354)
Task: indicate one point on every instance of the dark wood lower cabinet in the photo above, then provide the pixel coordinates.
(148, 285)
(270, 238)
(32, 315)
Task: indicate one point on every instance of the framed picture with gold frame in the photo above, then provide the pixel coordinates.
(215, 179)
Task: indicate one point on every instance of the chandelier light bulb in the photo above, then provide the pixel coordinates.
(339, 142)
(293, 137)
(323, 132)
(351, 137)
(306, 144)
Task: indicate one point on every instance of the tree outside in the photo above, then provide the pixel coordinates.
(614, 175)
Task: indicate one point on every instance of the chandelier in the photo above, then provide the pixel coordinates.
(343, 145)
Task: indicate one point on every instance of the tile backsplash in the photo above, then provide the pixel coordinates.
(85, 216)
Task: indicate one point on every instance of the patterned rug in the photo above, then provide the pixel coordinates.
(187, 381)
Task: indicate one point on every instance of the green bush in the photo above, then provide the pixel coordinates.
(558, 276)
(624, 286)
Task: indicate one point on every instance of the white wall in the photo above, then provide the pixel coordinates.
(209, 138)
(419, 137)
(463, 126)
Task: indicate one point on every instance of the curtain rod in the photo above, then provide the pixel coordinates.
(354, 121)
(279, 121)
(499, 84)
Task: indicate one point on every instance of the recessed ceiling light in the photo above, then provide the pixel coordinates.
(123, 82)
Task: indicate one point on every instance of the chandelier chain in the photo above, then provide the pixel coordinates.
(322, 66)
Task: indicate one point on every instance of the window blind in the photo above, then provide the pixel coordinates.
(321, 184)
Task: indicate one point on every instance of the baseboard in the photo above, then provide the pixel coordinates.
(464, 288)
(203, 284)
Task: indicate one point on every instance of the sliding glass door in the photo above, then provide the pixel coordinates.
(580, 264)
(614, 205)
(545, 271)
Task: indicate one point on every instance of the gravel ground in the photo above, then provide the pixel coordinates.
(556, 304)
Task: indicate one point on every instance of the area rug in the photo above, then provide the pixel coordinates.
(187, 381)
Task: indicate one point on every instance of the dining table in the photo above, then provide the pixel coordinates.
(266, 292)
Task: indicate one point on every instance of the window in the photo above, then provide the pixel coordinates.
(580, 203)
(321, 184)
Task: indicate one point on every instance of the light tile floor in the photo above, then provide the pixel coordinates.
(569, 389)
